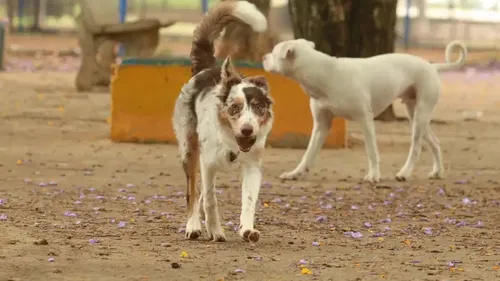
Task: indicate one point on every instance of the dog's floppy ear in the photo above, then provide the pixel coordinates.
(228, 69)
(288, 52)
(307, 42)
(259, 81)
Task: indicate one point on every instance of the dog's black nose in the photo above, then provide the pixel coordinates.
(247, 130)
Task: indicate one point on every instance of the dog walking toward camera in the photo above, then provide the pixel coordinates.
(359, 89)
(221, 117)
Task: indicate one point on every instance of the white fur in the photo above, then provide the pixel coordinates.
(248, 13)
(216, 143)
(360, 89)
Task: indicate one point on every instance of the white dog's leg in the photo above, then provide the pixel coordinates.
(322, 122)
(433, 144)
(421, 119)
(252, 178)
(368, 127)
(212, 221)
(437, 166)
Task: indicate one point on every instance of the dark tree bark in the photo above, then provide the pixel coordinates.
(347, 28)
(242, 43)
(36, 10)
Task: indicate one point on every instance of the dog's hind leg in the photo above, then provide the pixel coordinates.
(421, 119)
(322, 122)
(432, 142)
(184, 123)
(190, 163)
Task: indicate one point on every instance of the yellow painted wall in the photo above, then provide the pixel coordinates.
(143, 98)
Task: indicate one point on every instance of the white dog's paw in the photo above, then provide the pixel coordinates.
(435, 175)
(193, 228)
(402, 175)
(372, 177)
(216, 234)
(250, 235)
(293, 175)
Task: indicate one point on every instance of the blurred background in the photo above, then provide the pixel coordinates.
(420, 23)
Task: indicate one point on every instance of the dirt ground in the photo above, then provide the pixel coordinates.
(74, 206)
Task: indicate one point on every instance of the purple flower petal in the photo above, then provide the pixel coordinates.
(93, 241)
(354, 207)
(131, 185)
(50, 259)
(52, 183)
(122, 190)
(121, 224)
(78, 202)
(303, 261)
(427, 230)
(321, 219)
(416, 261)
(3, 217)
(239, 270)
(462, 223)
(315, 243)
(69, 214)
(386, 220)
(2, 201)
(328, 193)
(466, 201)
(354, 234)
(480, 224)
(92, 189)
(267, 184)
(42, 184)
(367, 224)
(257, 258)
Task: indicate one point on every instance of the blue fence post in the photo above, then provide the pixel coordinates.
(123, 15)
(407, 25)
(20, 15)
(204, 6)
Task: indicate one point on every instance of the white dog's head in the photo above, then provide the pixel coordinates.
(246, 107)
(283, 56)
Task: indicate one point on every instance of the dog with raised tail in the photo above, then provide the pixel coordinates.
(359, 89)
(222, 117)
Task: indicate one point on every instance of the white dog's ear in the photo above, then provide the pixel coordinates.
(309, 43)
(228, 69)
(289, 53)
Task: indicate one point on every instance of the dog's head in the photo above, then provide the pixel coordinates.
(246, 107)
(283, 56)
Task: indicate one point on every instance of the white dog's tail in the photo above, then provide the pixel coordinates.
(211, 25)
(449, 65)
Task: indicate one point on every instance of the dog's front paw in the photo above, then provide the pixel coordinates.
(250, 235)
(372, 177)
(193, 228)
(402, 175)
(217, 235)
(293, 175)
(435, 175)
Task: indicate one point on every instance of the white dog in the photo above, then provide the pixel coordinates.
(219, 114)
(360, 89)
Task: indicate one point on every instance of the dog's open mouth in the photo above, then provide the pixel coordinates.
(245, 143)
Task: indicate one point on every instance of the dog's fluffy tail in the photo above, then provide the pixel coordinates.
(449, 65)
(210, 27)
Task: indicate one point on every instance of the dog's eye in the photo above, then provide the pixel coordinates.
(258, 109)
(233, 109)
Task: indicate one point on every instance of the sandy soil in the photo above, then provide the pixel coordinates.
(75, 206)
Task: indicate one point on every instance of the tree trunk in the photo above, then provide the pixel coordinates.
(347, 28)
(320, 21)
(242, 43)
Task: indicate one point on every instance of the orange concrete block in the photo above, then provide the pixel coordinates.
(144, 92)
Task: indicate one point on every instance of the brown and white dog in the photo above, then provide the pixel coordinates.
(220, 117)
